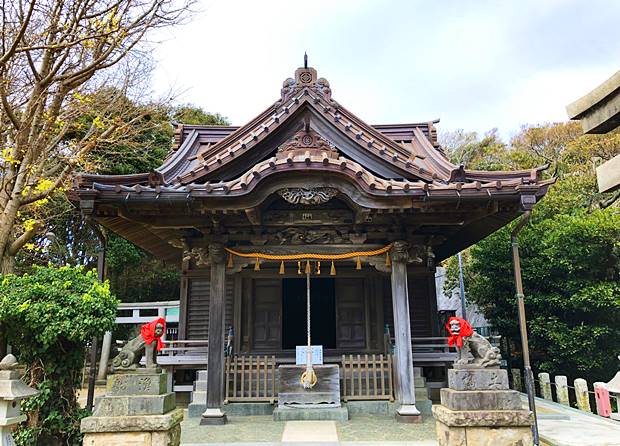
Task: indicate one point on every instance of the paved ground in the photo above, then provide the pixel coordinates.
(360, 430)
(562, 426)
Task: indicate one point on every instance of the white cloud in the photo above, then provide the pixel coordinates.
(474, 65)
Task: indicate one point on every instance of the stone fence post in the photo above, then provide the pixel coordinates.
(545, 386)
(561, 389)
(581, 395)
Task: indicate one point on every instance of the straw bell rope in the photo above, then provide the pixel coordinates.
(310, 256)
(308, 378)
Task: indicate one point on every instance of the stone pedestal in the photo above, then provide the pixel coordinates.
(478, 409)
(136, 410)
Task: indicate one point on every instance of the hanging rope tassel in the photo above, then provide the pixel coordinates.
(257, 265)
(388, 260)
(358, 265)
(308, 378)
(282, 267)
(299, 267)
(332, 271)
(318, 268)
(230, 261)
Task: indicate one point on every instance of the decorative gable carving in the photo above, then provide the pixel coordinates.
(305, 77)
(308, 196)
(306, 142)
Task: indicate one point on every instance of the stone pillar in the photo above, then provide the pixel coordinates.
(479, 409)
(404, 380)
(581, 395)
(561, 389)
(106, 346)
(545, 386)
(215, 359)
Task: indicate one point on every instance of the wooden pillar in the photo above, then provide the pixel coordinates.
(405, 390)
(215, 359)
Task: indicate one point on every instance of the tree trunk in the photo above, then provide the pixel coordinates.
(7, 264)
(7, 223)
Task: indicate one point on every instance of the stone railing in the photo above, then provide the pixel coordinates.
(577, 395)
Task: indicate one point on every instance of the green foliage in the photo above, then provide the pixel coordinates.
(570, 254)
(134, 274)
(571, 272)
(474, 152)
(190, 114)
(49, 316)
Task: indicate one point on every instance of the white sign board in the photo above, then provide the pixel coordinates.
(317, 354)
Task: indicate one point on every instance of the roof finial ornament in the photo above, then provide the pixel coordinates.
(305, 60)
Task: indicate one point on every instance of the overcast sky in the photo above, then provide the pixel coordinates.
(473, 64)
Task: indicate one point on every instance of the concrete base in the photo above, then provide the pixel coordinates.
(214, 421)
(289, 413)
(144, 430)
(248, 409)
(415, 419)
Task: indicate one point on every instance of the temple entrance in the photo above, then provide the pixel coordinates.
(323, 312)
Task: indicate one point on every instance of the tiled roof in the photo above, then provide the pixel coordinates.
(409, 152)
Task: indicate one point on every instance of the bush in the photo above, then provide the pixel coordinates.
(571, 273)
(49, 316)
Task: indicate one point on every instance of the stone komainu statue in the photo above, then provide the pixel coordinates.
(148, 342)
(475, 351)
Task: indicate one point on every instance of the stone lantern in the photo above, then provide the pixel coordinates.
(12, 391)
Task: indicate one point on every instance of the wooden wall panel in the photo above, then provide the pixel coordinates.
(198, 307)
(419, 306)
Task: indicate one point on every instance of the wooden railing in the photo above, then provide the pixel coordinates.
(432, 351)
(143, 312)
(367, 377)
(185, 347)
(250, 378)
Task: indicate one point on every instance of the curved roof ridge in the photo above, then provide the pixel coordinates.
(173, 163)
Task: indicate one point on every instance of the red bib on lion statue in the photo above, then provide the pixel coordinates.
(466, 331)
(148, 332)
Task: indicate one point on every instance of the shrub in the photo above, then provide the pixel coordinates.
(49, 316)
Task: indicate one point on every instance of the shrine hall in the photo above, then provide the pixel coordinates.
(307, 225)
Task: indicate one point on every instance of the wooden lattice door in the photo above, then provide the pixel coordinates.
(267, 314)
(351, 314)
